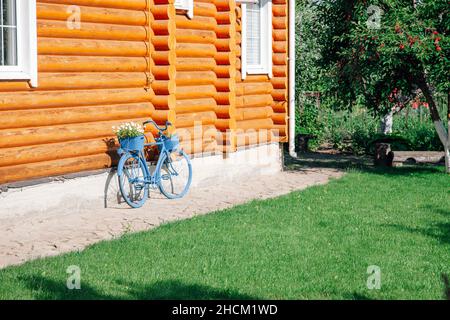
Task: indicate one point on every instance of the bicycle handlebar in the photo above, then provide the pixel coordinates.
(160, 129)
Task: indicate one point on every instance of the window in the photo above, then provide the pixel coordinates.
(18, 48)
(187, 5)
(257, 37)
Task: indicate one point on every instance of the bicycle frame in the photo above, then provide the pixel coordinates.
(150, 179)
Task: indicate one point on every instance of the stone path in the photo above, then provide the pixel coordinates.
(50, 233)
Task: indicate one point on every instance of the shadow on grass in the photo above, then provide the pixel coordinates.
(438, 231)
(438, 210)
(356, 296)
(49, 289)
(308, 161)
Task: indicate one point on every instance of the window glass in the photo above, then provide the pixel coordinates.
(8, 33)
(253, 34)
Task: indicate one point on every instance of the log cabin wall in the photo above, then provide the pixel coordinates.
(90, 79)
(196, 78)
(226, 59)
(133, 60)
(262, 102)
(280, 80)
(162, 33)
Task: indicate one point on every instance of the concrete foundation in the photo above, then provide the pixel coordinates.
(101, 189)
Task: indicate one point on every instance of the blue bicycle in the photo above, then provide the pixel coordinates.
(172, 175)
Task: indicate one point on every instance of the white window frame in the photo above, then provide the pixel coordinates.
(26, 68)
(187, 5)
(266, 40)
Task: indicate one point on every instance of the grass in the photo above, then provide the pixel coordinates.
(313, 244)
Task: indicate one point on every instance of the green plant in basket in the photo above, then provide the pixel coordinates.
(129, 130)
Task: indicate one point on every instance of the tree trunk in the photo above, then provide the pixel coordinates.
(387, 122)
(447, 149)
(443, 133)
(447, 160)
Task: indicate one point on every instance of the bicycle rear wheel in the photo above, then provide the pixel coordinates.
(132, 173)
(175, 175)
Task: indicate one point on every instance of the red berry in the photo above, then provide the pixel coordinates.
(438, 48)
(402, 46)
(435, 32)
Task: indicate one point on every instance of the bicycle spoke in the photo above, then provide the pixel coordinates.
(132, 182)
(175, 175)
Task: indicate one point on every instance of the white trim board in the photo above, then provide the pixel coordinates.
(26, 68)
(266, 66)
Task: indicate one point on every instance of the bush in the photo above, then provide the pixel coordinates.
(349, 132)
(308, 122)
(421, 135)
(357, 132)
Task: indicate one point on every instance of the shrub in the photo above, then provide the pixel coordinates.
(357, 132)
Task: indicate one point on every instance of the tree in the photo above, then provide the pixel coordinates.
(389, 52)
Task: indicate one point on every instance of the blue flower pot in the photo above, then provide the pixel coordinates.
(132, 144)
(171, 144)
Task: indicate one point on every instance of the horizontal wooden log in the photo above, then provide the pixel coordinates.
(195, 36)
(66, 98)
(254, 113)
(55, 168)
(254, 101)
(255, 88)
(59, 29)
(92, 47)
(63, 12)
(195, 64)
(60, 133)
(92, 64)
(280, 94)
(226, 124)
(54, 151)
(192, 119)
(67, 81)
(194, 92)
(198, 23)
(192, 78)
(198, 50)
(280, 118)
(197, 132)
(118, 4)
(194, 105)
(58, 116)
(193, 147)
(255, 124)
(280, 106)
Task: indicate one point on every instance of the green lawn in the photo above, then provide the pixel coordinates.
(313, 244)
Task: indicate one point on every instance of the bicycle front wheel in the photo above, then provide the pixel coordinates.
(175, 175)
(131, 173)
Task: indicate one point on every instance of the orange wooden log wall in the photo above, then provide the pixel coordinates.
(89, 80)
(132, 60)
(280, 78)
(195, 68)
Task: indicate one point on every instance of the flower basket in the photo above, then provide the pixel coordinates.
(131, 137)
(132, 144)
(171, 143)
